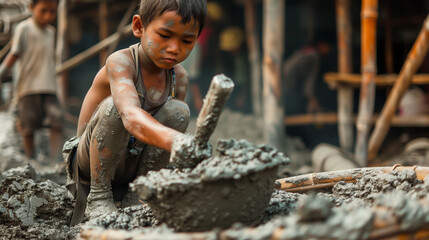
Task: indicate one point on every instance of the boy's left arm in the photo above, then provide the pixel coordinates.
(182, 81)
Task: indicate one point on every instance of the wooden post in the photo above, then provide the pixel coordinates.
(273, 41)
(103, 28)
(254, 55)
(412, 63)
(62, 50)
(90, 52)
(345, 93)
(388, 47)
(369, 69)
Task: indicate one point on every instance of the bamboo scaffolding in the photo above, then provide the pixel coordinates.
(345, 93)
(383, 80)
(272, 90)
(411, 65)
(322, 180)
(367, 91)
(332, 118)
(92, 51)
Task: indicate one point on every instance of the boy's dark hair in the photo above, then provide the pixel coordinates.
(34, 2)
(188, 9)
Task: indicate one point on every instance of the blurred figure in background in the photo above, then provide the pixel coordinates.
(301, 71)
(36, 85)
(231, 40)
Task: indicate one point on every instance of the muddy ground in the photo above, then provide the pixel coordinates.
(34, 203)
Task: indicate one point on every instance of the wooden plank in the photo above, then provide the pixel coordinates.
(332, 118)
(382, 80)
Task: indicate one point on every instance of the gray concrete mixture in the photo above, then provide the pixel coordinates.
(33, 207)
(218, 192)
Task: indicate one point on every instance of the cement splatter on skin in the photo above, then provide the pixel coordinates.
(122, 59)
(149, 47)
(154, 94)
(119, 68)
(169, 24)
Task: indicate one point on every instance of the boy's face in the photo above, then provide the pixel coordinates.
(44, 12)
(167, 41)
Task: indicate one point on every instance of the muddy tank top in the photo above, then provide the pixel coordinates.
(148, 105)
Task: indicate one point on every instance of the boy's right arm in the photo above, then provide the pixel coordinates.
(139, 123)
(120, 71)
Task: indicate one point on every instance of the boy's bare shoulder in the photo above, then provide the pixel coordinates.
(121, 61)
(121, 57)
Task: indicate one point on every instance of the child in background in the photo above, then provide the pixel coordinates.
(36, 87)
(133, 116)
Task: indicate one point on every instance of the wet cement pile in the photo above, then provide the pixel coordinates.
(399, 199)
(32, 207)
(221, 189)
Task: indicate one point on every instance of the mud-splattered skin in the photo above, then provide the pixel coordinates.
(165, 42)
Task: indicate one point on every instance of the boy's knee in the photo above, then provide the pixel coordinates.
(174, 114)
(108, 124)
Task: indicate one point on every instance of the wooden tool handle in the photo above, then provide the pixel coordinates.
(219, 92)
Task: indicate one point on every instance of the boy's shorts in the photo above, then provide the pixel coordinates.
(39, 110)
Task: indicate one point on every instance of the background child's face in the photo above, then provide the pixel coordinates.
(167, 41)
(44, 12)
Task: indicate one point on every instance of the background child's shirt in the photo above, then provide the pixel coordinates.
(35, 68)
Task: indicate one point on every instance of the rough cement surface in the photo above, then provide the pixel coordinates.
(130, 218)
(376, 182)
(409, 208)
(221, 189)
(31, 209)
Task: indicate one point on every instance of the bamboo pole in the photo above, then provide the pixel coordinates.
(411, 65)
(254, 55)
(369, 70)
(272, 74)
(62, 50)
(388, 47)
(124, 21)
(332, 118)
(92, 51)
(382, 80)
(345, 93)
(103, 30)
(306, 182)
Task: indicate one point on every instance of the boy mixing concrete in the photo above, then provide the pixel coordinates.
(36, 86)
(133, 116)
